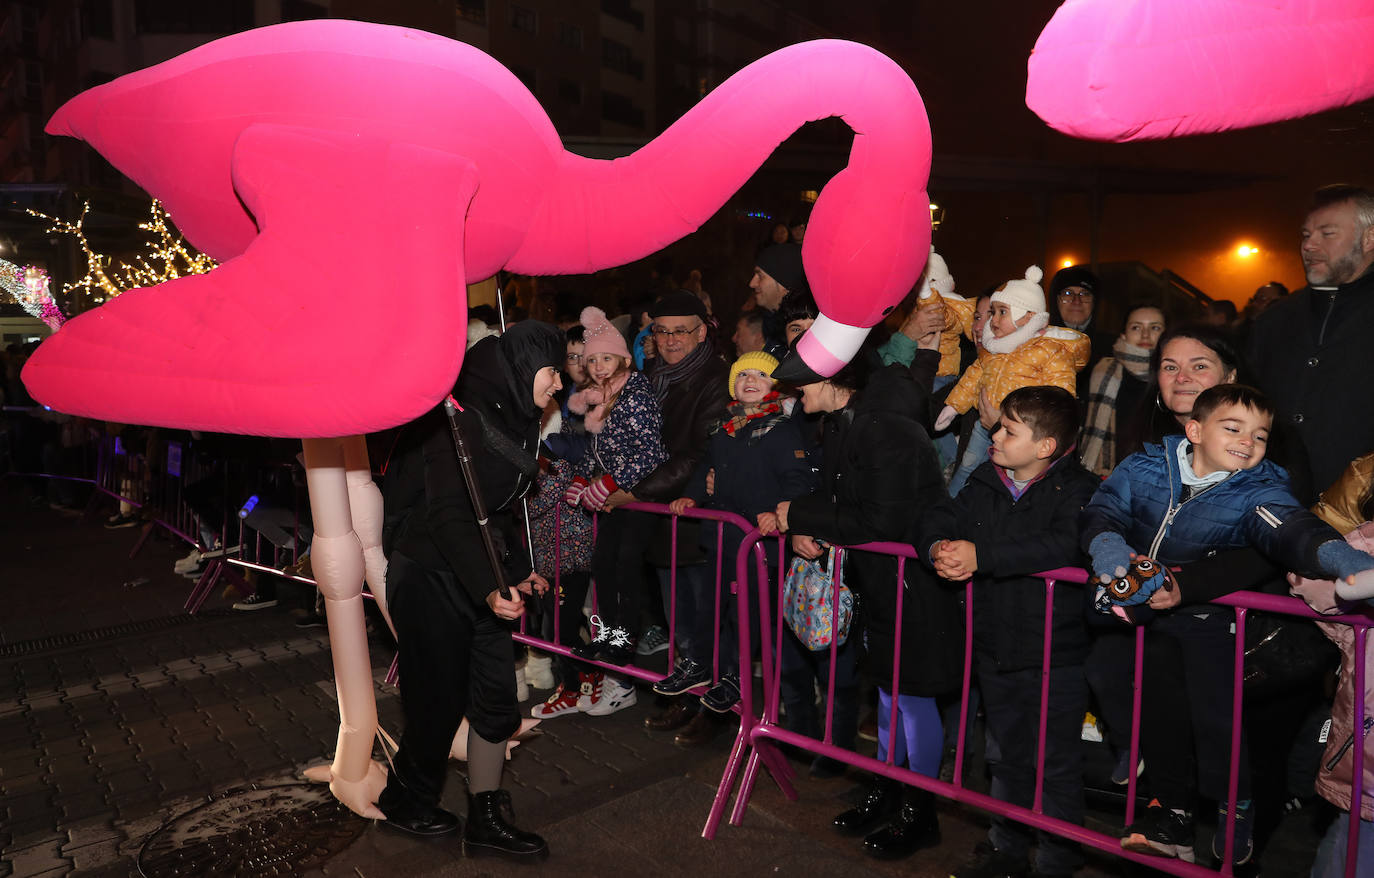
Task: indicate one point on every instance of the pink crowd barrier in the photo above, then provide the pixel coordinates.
(726, 567)
(129, 475)
(756, 745)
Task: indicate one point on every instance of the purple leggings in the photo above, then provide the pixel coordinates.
(921, 742)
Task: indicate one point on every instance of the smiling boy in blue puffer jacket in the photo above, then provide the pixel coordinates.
(1169, 505)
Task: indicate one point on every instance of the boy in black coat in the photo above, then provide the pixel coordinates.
(1016, 516)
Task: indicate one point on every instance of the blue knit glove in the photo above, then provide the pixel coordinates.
(1111, 556)
(1343, 559)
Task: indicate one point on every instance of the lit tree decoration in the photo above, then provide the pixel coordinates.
(29, 287)
(167, 256)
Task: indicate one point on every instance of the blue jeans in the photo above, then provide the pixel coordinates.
(1330, 861)
(976, 452)
(802, 669)
(946, 443)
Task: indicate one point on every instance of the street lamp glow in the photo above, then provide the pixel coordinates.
(1245, 251)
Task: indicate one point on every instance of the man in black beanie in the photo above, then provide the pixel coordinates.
(777, 272)
(1074, 291)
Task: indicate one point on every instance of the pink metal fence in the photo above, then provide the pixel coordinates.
(128, 475)
(756, 744)
(726, 567)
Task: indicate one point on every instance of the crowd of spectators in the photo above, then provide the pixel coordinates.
(1277, 418)
(1000, 436)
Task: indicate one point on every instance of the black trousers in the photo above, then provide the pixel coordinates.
(1011, 701)
(1110, 668)
(622, 537)
(568, 607)
(1186, 708)
(456, 660)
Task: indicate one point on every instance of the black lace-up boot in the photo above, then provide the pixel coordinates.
(488, 832)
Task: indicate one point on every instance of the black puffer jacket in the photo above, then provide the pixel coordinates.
(880, 472)
(1014, 538)
(427, 501)
(691, 409)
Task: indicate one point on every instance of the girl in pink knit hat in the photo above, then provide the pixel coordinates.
(624, 424)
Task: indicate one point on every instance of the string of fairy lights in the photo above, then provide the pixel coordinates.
(166, 256)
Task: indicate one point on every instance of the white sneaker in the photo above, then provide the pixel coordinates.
(589, 689)
(187, 564)
(615, 695)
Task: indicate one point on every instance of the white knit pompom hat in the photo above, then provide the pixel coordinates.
(937, 272)
(1023, 295)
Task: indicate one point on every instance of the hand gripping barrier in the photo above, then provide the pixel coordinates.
(756, 744)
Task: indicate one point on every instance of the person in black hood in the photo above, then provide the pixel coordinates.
(452, 622)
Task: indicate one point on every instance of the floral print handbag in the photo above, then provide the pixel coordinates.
(809, 599)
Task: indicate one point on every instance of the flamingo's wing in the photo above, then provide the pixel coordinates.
(1123, 70)
(346, 314)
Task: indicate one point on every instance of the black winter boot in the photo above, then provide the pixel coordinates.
(487, 831)
(915, 827)
(882, 798)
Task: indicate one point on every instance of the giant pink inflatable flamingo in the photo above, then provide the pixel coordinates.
(1146, 69)
(352, 178)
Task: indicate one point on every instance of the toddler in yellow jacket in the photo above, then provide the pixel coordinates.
(1021, 349)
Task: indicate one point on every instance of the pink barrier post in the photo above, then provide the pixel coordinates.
(1136, 696)
(774, 694)
(717, 599)
(1038, 803)
(968, 684)
(892, 728)
(1233, 779)
(766, 756)
(835, 565)
(1352, 842)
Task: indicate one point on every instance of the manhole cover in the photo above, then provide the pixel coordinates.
(259, 831)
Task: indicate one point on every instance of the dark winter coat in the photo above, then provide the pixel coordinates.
(761, 465)
(1014, 538)
(425, 494)
(629, 443)
(880, 473)
(1312, 353)
(691, 409)
(1142, 500)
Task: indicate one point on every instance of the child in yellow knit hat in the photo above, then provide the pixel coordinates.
(1021, 350)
